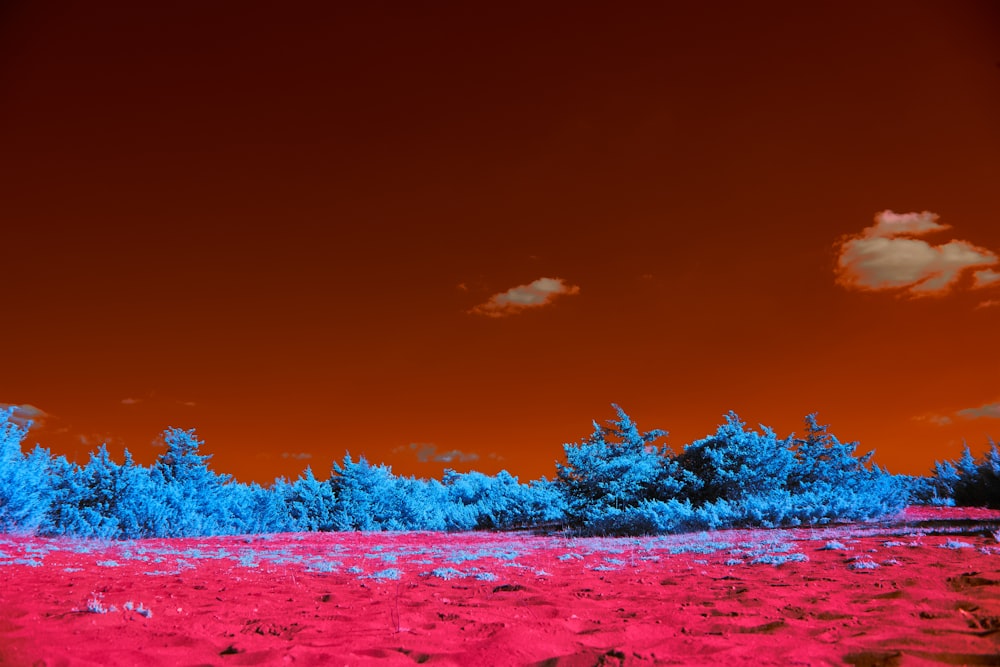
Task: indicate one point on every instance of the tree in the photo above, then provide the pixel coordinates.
(736, 464)
(617, 468)
(309, 503)
(821, 457)
(24, 485)
(193, 494)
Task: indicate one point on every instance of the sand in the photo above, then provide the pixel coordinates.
(922, 590)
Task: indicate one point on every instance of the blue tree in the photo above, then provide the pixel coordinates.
(24, 484)
(616, 469)
(736, 464)
(258, 510)
(309, 503)
(367, 496)
(193, 494)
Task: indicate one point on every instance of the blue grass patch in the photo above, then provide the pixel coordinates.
(571, 556)
(446, 573)
(382, 575)
(863, 564)
(779, 559)
(956, 544)
(833, 545)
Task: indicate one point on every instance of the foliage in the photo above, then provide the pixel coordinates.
(736, 477)
(736, 464)
(615, 472)
(617, 481)
(23, 480)
(968, 482)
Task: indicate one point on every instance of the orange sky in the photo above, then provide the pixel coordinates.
(464, 231)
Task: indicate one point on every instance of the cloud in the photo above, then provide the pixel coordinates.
(24, 413)
(935, 419)
(427, 453)
(988, 411)
(985, 277)
(517, 299)
(298, 456)
(885, 256)
(131, 401)
(989, 303)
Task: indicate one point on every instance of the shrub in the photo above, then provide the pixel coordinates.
(608, 478)
(969, 482)
(736, 464)
(24, 482)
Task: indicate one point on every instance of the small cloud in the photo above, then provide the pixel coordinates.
(935, 419)
(187, 404)
(463, 287)
(94, 440)
(428, 453)
(25, 413)
(131, 401)
(989, 303)
(298, 456)
(517, 299)
(985, 277)
(885, 256)
(988, 411)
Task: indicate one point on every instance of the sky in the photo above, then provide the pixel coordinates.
(452, 234)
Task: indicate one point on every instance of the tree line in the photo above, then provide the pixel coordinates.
(617, 481)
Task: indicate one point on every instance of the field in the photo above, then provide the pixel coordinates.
(921, 590)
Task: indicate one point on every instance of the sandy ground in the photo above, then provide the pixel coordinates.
(924, 590)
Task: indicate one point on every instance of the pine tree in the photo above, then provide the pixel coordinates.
(736, 464)
(193, 494)
(616, 468)
(24, 485)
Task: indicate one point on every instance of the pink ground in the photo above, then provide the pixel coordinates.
(895, 594)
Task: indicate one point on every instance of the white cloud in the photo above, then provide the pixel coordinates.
(988, 411)
(985, 277)
(298, 456)
(428, 453)
(888, 223)
(932, 418)
(131, 401)
(989, 303)
(25, 413)
(517, 299)
(885, 256)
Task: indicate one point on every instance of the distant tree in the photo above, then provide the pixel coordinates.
(617, 468)
(367, 496)
(309, 503)
(821, 458)
(24, 485)
(970, 482)
(501, 502)
(257, 510)
(193, 494)
(736, 464)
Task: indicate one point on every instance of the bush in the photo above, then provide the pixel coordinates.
(24, 481)
(736, 464)
(969, 482)
(618, 481)
(614, 471)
